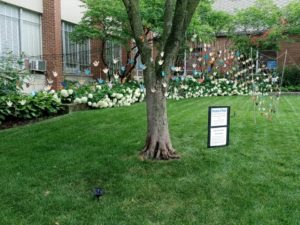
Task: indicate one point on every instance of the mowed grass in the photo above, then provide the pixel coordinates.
(48, 170)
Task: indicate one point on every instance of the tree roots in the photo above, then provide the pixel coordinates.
(158, 151)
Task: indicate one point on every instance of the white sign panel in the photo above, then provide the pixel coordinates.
(219, 117)
(218, 136)
(218, 126)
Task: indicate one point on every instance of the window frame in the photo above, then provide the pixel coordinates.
(75, 59)
(111, 48)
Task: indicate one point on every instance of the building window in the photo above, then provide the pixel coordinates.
(10, 29)
(31, 34)
(76, 57)
(113, 56)
(20, 31)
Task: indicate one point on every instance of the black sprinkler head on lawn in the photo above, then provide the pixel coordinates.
(99, 192)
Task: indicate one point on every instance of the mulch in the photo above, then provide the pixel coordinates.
(19, 123)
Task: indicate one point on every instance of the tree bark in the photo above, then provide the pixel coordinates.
(158, 143)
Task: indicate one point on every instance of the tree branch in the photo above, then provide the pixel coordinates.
(184, 12)
(103, 53)
(168, 18)
(129, 70)
(191, 8)
(135, 19)
(175, 36)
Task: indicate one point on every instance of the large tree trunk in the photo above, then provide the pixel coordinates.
(177, 17)
(158, 143)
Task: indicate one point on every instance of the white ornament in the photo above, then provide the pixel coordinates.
(177, 69)
(96, 63)
(153, 90)
(54, 73)
(50, 81)
(47, 88)
(116, 76)
(105, 70)
(115, 61)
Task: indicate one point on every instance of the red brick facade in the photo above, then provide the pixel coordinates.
(292, 45)
(96, 55)
(124, 56)
(222, 43)
(52, 40)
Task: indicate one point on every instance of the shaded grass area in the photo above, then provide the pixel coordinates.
(48, 170)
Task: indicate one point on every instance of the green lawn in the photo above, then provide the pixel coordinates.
(48, 170)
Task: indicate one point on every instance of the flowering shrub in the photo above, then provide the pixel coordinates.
(115, 94)
(20, 107)
(189, 87)
(66, 96)
(111, 95)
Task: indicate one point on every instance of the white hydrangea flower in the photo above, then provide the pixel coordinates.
(70, 91)
(64, 93)
(119, 96)
(84, 99)
(137, 93)
(90, 96)
(103, 104)
(77, 100)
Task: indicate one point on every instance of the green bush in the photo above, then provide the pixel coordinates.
(25, 107)
(12, 74)
(291, 88)
(291, 77)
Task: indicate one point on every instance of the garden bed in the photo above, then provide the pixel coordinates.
(17, 123)
(68, 108)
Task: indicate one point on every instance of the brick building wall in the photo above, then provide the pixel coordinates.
(96, 55)
(222, 42)
(52, 45)
(52, 40)
(292, 45)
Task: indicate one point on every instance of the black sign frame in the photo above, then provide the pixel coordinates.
(210, 126)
